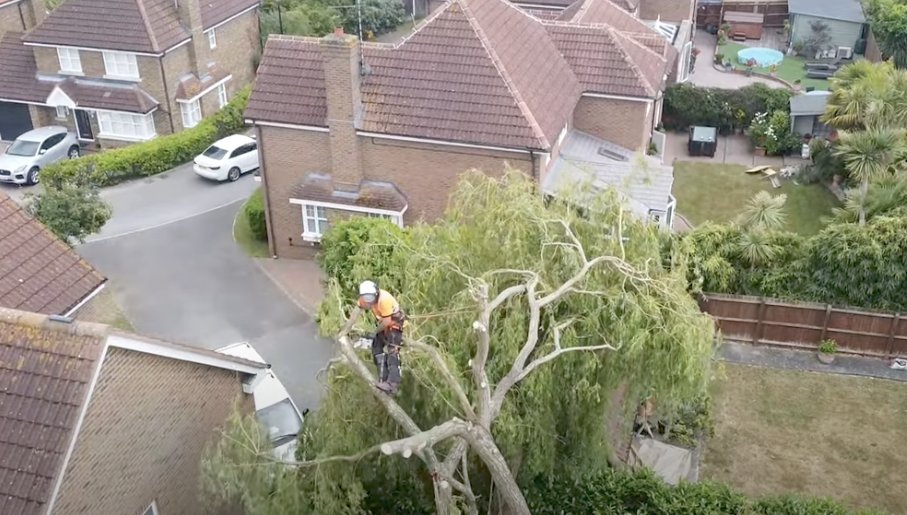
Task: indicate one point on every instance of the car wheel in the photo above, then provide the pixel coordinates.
(32, 177)
(74, 152)
(233, 174)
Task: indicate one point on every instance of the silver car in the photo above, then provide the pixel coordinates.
(35, 149)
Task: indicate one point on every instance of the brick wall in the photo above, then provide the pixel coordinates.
(145, 430)
(10, 20)
(344, 102)
(176, 64)
(624, 122)
(425, 173)
(237, 43)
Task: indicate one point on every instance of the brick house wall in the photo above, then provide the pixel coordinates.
(237, 45)
(147, 424)
(627, 123)
(425, 173)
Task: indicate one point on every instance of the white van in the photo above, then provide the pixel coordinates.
(274, 408)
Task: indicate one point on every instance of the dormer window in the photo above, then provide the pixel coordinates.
(69, 60)
(121, 65)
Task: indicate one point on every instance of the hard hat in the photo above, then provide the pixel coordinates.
(368, 288)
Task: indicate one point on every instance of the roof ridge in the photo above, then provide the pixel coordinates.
(502, 71)
(45, 323)
(619, 40)
(583, 9)
(145, 21)
(424, 23)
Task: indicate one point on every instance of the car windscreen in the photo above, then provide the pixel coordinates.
(281, 421)
(23, 148)
(215, 152)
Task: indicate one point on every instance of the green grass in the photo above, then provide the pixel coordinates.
(243, 237)
(718, 193)
(790, 69)
(787, 431)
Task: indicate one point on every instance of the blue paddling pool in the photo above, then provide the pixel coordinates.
(764, 57)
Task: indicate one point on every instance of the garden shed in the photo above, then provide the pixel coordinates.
(805, 111)
(844, 19)
(748, 25)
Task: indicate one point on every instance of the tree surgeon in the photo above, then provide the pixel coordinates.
(386, 341)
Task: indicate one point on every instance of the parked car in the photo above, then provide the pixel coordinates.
(274, 408)
(228, 159)
(23, 160)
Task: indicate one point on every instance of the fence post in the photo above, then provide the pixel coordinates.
(894, 327)
(825, 322)
(760, 314)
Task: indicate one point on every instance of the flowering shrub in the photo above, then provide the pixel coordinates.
(772, 132)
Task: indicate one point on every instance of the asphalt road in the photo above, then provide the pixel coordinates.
(171, 259)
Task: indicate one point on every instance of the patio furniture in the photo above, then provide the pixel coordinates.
(823, 65)
(703, 141)
(820, 74)
(757, 169)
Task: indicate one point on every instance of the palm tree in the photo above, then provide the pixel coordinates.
(871, 154)
(764, 212)
(756, 247)
(865, 94)
(883, 197)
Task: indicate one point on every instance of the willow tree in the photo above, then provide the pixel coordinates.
(527, 313)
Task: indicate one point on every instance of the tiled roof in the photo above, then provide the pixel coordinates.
(608, 61)
(45, 371)
(604, 12)
(191, 85)
(289, 85)
(100, 94)
(372, 194)
(216, 11)
(127, 25)
(547, 3)
(18, 71)
(38, 272)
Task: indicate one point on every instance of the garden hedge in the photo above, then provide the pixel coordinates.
(620, 492)
(254, 211)
(687, 105)
(150, 157)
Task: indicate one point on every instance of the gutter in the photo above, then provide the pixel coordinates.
(160, 62)
(71, 311)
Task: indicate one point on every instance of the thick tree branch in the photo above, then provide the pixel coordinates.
(479, 361)
(558, 350)
(465, 405)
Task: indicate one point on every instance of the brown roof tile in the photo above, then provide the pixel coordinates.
(216, 11)
(605, 12)
(550, 3)
(38, 272)
(191, 85)
(109, 95)
(372, 194)
(126, 25)
(45, 371)
(289, 86)
(18, 71)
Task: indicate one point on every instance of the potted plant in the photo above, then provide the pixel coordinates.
(722, 37)
(827, 350)
(773, 70)
(797, 47)
(798, 84)
(750, 65)
(719, 58)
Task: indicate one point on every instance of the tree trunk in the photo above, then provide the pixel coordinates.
(864, 189)
(487, 450)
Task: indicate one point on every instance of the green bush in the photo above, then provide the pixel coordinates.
(254, 211)
(150, 157)
(687, 105)
(620, 492)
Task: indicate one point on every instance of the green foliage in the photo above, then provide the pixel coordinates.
(847, 264)
(764, 211)
(72, 212)
(885, 197)
(150, 157)
(888, 20)
(772, 132)
(828, 346)
(688, 105)
(620, 492)
(492, 230)
(254, 211)
(299, 18)
(378, 16)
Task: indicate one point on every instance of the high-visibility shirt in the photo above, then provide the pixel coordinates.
(387, 307)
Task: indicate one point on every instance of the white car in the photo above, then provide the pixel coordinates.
(274, 408)
(228, 159)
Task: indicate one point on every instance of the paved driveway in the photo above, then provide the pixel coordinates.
(171, 260)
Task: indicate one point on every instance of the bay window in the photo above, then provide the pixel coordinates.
(126, 126)
(315, 220)
(192, 114)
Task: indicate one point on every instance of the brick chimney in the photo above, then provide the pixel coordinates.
(340, 53)
(36, 16)
(190, 14)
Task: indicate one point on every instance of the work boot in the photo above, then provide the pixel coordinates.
(386, 387)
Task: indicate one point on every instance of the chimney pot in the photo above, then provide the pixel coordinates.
(338, 31)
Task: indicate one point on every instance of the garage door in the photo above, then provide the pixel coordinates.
(14, 120)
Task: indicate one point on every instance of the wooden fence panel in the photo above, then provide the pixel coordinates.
(804, 325)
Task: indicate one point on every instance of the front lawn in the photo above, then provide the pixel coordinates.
(790, 69)
(718, 193)
(785, 431)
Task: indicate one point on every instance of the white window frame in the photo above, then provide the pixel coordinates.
(122, 126)
(222, 95)
(121, 65)
(212, 38)
(686, 57)
(152, 509)
(394, 216)
(318, 214)
(191, 113)
(70, 60)
(62, 113)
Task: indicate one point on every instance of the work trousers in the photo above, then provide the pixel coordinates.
(386, 353)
